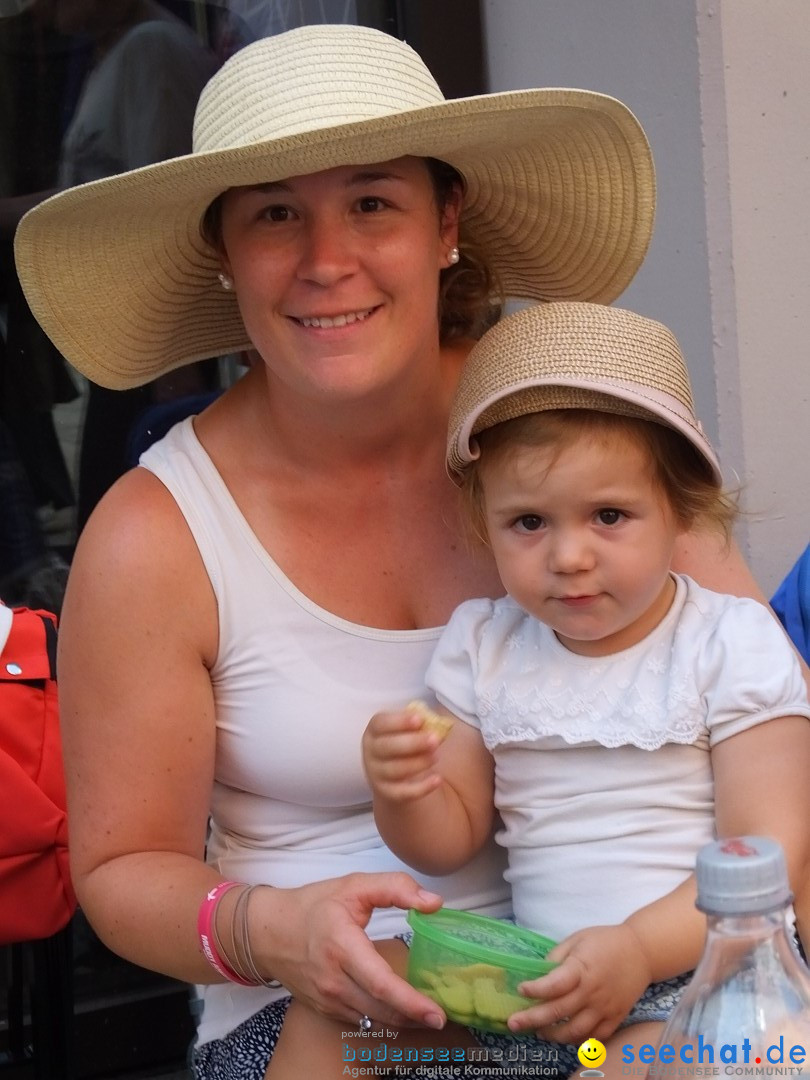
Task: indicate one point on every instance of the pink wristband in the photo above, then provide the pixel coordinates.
(205, 921)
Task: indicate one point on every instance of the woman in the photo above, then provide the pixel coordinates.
(283, 563)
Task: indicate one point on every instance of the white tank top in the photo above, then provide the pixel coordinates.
(294, 687)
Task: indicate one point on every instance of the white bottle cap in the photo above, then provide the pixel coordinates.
(743, 875)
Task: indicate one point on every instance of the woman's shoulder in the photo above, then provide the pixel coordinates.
(136, 525)
(136, 553)
(137, 501)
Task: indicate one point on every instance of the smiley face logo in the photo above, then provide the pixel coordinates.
(592, 1054)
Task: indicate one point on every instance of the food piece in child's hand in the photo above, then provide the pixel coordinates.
(431, 721)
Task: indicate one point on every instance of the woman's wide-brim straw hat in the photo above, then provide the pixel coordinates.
(560, 194)
(573, 356)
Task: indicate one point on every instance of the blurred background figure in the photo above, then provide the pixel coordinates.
(32, 574)
(261, 19)
(137, 103)
(40, 73)
(88, 88)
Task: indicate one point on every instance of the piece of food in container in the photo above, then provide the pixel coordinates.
(472, 965)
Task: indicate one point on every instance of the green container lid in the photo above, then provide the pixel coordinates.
(485, 940)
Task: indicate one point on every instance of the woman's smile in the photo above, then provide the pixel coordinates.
(330, 322)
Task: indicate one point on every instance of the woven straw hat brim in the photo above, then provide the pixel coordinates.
(560, 196)
(573, 356)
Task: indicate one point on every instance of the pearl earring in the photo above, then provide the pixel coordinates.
(453, 256)
(225, 282)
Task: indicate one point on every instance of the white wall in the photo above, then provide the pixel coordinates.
(643, 52)
(741, 324)
(756, 63)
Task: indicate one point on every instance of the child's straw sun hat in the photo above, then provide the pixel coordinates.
(560, 195)
(573, 356)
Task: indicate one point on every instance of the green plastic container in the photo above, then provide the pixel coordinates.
(471, 965)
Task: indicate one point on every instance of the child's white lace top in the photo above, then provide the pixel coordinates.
(603, 765)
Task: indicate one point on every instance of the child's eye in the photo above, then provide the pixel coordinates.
(609, 516)
(528, 523)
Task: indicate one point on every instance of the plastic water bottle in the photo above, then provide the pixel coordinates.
(746, 1011)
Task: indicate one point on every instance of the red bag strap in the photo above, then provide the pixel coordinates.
(30, 651)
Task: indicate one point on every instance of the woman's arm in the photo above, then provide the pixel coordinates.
(138, 625)
(139, 633)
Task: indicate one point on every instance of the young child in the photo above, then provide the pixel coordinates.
(617, 715)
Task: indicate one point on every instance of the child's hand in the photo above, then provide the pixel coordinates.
(602, 973)
(399, 755)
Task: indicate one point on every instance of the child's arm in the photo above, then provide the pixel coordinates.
(433, 799)
(604, 970)
(761, 788)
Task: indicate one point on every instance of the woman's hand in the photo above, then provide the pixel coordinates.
(602, 973)
(312, 939)
(400, 756)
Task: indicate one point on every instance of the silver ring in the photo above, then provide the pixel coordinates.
(366, 1023)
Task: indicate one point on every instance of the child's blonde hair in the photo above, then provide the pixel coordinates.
(680, 471)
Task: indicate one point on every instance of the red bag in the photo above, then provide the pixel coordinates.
(36, 894)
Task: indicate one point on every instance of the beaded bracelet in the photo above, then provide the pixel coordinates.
(206, 928)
